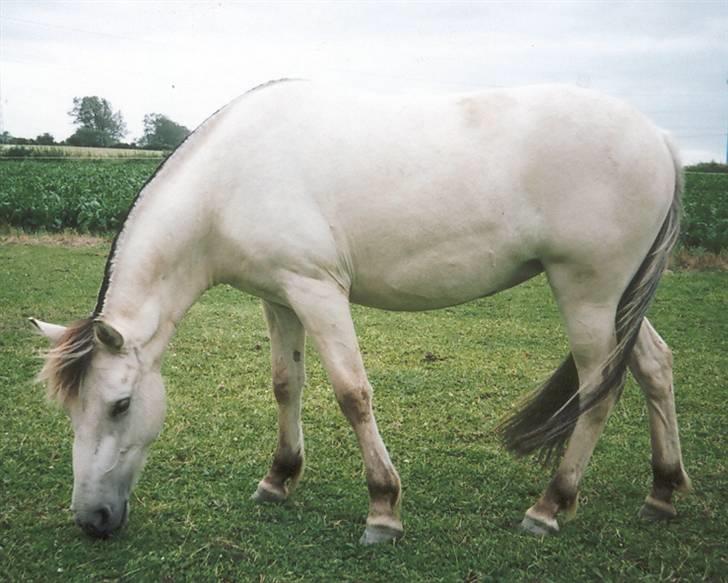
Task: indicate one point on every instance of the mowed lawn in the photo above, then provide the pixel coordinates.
(441, 380)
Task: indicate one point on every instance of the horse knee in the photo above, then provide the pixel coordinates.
(355, 401)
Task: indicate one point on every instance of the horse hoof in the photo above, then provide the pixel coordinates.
(265, 496)
(377, 534)
(539, 527)
(653, 513)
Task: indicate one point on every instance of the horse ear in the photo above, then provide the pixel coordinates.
(53, 332)
(108, 335)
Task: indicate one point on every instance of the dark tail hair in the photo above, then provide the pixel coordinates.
(546, 418)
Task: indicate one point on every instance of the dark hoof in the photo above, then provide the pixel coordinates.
(652, 513)
(538, 527)
(374, 535)
(266, 496)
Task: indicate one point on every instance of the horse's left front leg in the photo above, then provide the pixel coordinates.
(325, 312)
(287, 340)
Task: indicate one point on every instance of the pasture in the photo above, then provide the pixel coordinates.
(441, 380)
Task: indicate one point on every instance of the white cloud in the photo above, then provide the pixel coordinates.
(185, 59)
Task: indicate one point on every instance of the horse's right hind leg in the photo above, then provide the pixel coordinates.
(651, 364)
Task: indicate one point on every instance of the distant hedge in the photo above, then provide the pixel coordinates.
(93, 196)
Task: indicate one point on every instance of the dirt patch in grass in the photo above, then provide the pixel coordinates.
(699, 260)
(65, 239)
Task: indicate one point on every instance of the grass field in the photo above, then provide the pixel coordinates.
(463, 496)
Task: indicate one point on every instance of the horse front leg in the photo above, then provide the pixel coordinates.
(287, 339)
(325, 312)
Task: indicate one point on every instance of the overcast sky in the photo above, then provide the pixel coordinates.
(186, 59)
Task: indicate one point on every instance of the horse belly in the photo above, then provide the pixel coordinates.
(421, 283)
(420, 265)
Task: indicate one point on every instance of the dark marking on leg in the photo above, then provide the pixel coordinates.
(296, 356)
(665, 481)
(561, 492)
(384, 490)
(281, 392)
(286, 465)
(356, 405)
(559, 496)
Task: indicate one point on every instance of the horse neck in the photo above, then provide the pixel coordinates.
(159, 268)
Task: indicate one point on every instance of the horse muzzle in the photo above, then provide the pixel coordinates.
(103, 521)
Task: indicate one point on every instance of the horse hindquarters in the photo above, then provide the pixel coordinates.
(603, 316)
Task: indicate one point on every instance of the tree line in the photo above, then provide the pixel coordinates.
(98, 125)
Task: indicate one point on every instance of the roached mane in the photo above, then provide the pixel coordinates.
(67, 362)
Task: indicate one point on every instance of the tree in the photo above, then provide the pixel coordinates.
(45, 139)
(98, 124)
(5, 137)
(161, 133)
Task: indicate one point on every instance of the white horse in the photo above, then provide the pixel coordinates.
(312, 199)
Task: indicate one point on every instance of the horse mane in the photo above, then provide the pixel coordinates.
(68, 361)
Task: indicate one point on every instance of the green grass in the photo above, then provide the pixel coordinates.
(463, 496)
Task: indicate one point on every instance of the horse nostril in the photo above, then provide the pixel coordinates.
(103, 516)
(99, 523)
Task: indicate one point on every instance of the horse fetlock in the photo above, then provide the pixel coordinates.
(282, 478)
(665, 481)
(384, 494)
(686, 484)
(560, 496)
(287, 467)
(569, 511)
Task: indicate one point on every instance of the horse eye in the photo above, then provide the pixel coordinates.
(121, 406)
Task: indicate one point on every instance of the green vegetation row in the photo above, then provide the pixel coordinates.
(93, 196)
(705, 206)
(90, 197)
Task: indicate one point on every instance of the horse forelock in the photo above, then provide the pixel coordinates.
(66, 363)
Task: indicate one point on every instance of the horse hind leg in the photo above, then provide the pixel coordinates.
(592, 339)
(651, 364)
(588, 299)
(287, 338)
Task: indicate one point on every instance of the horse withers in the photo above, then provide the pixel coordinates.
(312, 198)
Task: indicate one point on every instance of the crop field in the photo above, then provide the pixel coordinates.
(441, 380)
(92, 196)
(78, 152)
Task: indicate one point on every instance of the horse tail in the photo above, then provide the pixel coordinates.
(546, 418)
